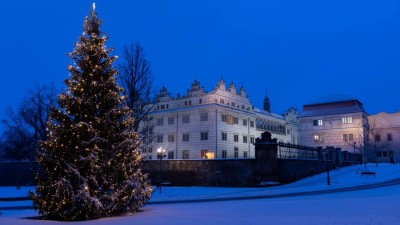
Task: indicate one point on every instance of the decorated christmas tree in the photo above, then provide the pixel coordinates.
(90, 165)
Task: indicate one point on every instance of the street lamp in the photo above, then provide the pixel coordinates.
(327, 167)
(160, 155)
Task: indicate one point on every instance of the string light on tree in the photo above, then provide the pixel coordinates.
(89, 162)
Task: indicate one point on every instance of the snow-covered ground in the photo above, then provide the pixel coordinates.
(372, 206)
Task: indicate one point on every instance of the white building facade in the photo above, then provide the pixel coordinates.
(222, 123)
(338, 121)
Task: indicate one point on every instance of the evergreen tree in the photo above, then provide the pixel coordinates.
(90, 165)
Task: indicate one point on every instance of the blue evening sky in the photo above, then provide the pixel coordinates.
(295, 50)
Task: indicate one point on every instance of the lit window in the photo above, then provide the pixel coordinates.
(346, 120)
(318, 122)
(207, 154)
(318, 138)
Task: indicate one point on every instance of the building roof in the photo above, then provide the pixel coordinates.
(332, 105)
(331, 99)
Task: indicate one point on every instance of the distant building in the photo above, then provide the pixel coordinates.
(338, 121)
(384, 136)
(341, 121)
(222, 123)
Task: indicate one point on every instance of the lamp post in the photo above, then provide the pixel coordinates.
(160, 155)
(327, 167)
(354, 151)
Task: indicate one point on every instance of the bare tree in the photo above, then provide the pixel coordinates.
(35, 106)
(25, 127)
(369, 144)
(17, 141)
(137, 80)
(374, 142)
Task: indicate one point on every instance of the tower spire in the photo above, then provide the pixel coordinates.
(267, 103)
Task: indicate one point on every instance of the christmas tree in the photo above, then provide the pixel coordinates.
(90, 165)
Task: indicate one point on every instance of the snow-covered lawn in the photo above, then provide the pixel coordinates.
(374, 206)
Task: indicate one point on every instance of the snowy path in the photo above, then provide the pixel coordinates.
(376, 205)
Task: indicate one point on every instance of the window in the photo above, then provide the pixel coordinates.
(233, 104)
(252, 140)
(185, 154)
(245, 155)
(222, 101)
(185, 119)
(204, 136)
(171, 120)
(224, 154)
(162, 106)
(244, 139)
(170, 155)
(287, 131)
(204, 117)
(236, 138)
(244, 122)
(347, 137)
(160, 138)
(251, 123)
(200, 101)
(377, 137)
(346, 120)
(224, 117)
(236, 152)
(318, 122)
(188, 103)
(389, 137)
(235, 120)
(224, 136)
(185, 137)
(207, 154)
(160, 121)
(171, 138)
(150, 149)
(144, 150)
(318, 138)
